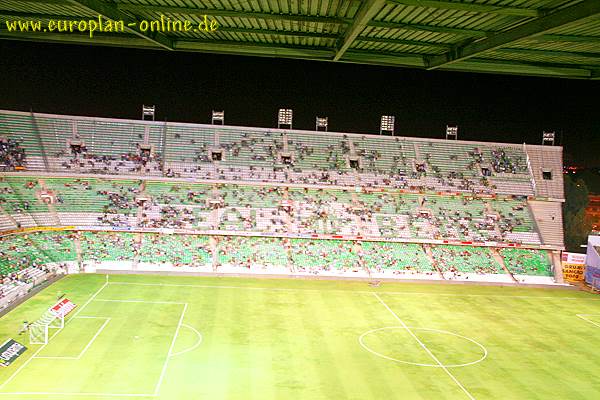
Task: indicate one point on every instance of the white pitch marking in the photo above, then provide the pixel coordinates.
(86, 347)
(364, 346)
(77, 394)
(198, 343)
(352, 291)
(170, 353)
(10, 378)
(141, 301)
(425, 348)
(583, 317)
(93, 339)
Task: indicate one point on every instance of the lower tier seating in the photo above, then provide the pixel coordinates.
(527, 262)
(36, 249)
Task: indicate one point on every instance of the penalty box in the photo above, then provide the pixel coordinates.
(113, 347)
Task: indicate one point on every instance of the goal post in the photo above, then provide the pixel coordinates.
(39, 330)
(53, 318)
(38, 334)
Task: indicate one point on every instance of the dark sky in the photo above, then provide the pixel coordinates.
(114, 82)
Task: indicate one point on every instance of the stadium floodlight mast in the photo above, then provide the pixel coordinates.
(284, 117)
(451, 132)
(218, 116)
(387, 124)
(148, 112)
(548, 138)
(321, 124)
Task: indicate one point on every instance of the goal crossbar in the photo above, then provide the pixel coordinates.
(38, 330)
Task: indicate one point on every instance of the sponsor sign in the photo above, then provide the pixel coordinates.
(573, 265)
(63, 307)
(573, 258)
(10, 351)
(573, 273)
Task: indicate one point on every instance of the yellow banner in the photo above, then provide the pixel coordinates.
(37, 229)
(573, 272)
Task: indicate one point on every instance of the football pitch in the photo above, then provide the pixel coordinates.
(173, 337)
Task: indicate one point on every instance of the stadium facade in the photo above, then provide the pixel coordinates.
(131, 194)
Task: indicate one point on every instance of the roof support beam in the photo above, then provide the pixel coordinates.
(550, 53)
(365, 13)
(58, 2)
(568, 38)
(404, 42)
(316, 35)
(521, 68)
(428, 28)
(140, 8)
(36, 16)
(227, 46)
(130, 24)
(470, 7)
(581, 11)
(101, 39)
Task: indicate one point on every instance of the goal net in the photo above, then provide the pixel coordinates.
(39, 330)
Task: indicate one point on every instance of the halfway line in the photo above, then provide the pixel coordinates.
(425, 347)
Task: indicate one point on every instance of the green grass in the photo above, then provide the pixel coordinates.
(299, 339)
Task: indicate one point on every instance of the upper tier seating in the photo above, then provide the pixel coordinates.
(109, 146)
(12, 155)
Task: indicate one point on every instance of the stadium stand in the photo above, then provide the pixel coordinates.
(527, 262)
(384, 257)
(12, 156)
(234, 198)
(465, 259)
(268, 209)
(109, 146)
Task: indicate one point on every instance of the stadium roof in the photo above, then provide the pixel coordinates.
(559, 38)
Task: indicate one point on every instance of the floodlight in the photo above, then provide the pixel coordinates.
(218, 116)
(285, 117)
(148, 112)
(548, 138)
(321, 124)
(451, 132)
(387, 124)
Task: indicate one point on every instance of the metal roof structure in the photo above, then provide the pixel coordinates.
(559, 38)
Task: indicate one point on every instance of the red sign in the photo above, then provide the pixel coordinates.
(63, 307)
(573, 258)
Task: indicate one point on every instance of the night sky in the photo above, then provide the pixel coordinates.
(115, 82)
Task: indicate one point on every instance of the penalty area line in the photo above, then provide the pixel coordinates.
(425, 348)
(274, 289)
(583, 317)
(10, 378)
(77, 394)
(170, 353)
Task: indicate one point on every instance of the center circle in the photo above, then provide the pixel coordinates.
(411, 331)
